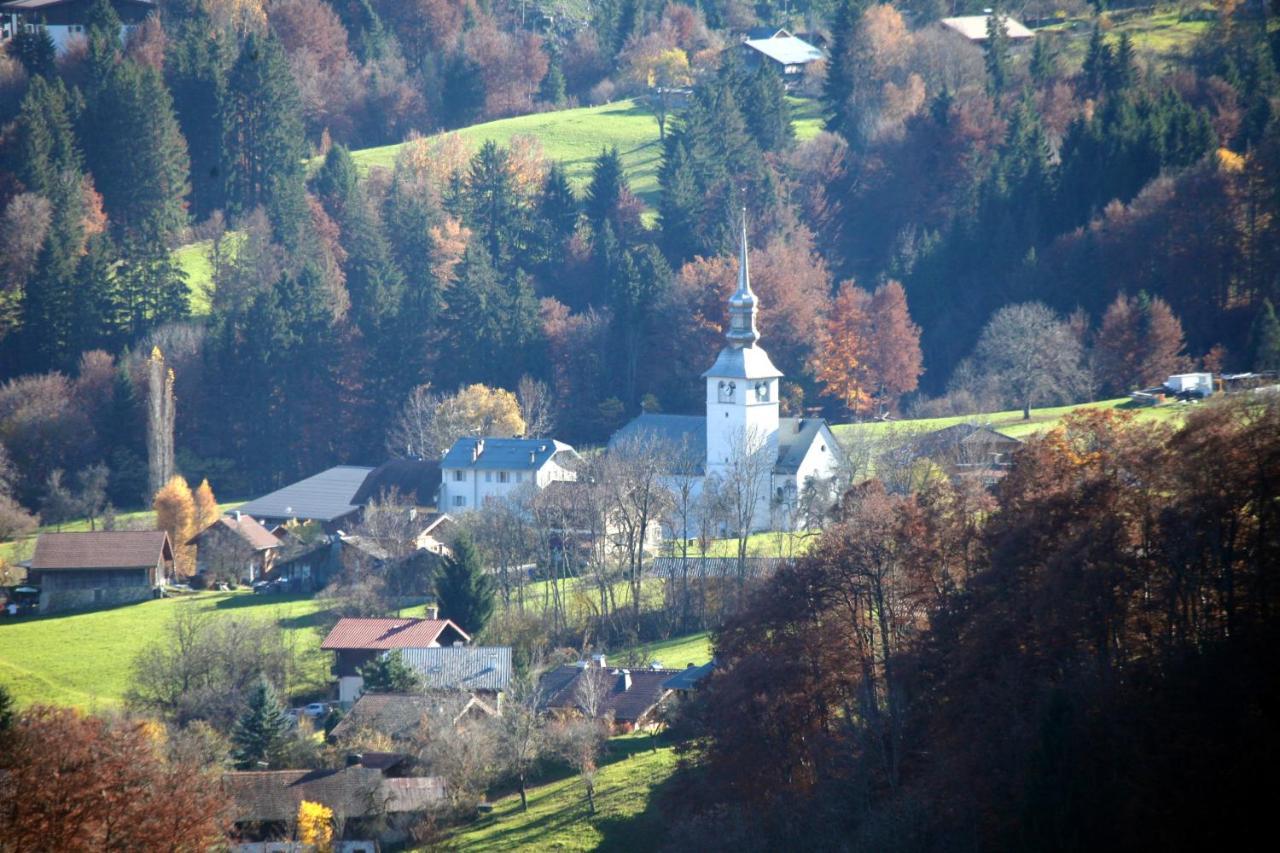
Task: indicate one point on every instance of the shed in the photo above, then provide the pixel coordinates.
(99, 569)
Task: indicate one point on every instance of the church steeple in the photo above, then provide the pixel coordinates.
(742, 305)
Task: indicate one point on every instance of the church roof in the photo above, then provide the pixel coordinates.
(795, 436)
(672, 429)
(744, 363)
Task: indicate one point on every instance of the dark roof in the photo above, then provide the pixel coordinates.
(105, 549)
(384, 634)
(960, 439)
(767, 32)
(510, 454)
(357, 791)
(628, 704)
(326, 496)
(258, 537)
(396, 715)
(715, 567)
(417, 480)
(796, 436)
(462, 667)
(690, 677)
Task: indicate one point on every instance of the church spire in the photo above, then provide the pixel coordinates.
(742, 305)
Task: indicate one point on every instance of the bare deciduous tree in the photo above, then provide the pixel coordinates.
(160, 421)
(634, 478)
(535, 406)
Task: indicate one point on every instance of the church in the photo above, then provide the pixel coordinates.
(785, 464)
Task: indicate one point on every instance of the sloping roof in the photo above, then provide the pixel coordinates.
(767, 32)
(462, 667)
(744, 362)
(34, 5)
(628, 704)
(677, 430)
(326, 496)
(254, 534)
(974, 27)
(396, 715)
(105, 549)
(796, 436)
(716, 567)
(416, 480)
(690, 677)
(787, 50)
(383, 634)
(358, 791)
(509, 454)
(960, 438)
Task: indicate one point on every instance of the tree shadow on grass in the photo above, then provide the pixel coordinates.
(644, 831)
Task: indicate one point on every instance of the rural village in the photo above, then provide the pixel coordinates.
(637, 424)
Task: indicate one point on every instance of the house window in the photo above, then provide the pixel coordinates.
(460, 476)
(504, 477)
(459, 500)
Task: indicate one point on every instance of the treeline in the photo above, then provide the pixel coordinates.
(1127, 213)
(1081, 660)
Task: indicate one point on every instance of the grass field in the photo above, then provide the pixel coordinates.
(1161, 38)
(627, 815)
(84, 659)
(1010, 422)
(675, 653)
(193, 260)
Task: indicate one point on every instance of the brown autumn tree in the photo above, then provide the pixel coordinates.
(1139, 343)
(73, 782)
(841, 362)
(175, 508)
(893, 357)
(206, 505)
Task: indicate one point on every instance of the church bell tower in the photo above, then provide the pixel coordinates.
(742, 385)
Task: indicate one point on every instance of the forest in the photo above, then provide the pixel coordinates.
(1120, 210)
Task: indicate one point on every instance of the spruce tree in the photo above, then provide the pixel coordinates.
(1264, 339)
(35, 50)
(196, 68)
(606, 189)
(473, 329)
(335, 181)
(494, 204)
(558, 206)
(839, 84)
(389, 674)
(551, 90)
(996, 50)
(769, 118)
(263, 144)
(464, 590)
(261, 733)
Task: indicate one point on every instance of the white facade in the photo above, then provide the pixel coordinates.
(475, 471)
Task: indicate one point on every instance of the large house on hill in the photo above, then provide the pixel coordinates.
(65, 20)
(476, 470)
(789, 456)
(79, 570)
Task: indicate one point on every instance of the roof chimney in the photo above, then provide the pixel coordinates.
(493, 662)
(532, 457)
(598, 660)
(433, 611)
(354, 759)
(236, 514)
(624, 680)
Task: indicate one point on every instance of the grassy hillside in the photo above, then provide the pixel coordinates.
(675, 653)
(1009, 423)
(627, 815)
(1162, 38)
(84, 659)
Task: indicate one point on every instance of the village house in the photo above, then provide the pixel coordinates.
(369, 802)
(64, 20)
(964, 451)
(972, 29)
(482, 672)
(795, 455)
(80, 570)
(476, 470)
(356, 642)
(778, 48)
(327, 498)
(628, 697)
(235, 548)
(400, 717)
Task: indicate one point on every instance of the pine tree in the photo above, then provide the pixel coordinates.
(1264, 338)
(608, 183)
(263, 144)
(389, 674)
(769, 119)
(35, 50)
(996, 50)
(839, 85)
(465, 591)
(262, 731)
(196, 66)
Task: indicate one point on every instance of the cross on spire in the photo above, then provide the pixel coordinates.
(742, 305)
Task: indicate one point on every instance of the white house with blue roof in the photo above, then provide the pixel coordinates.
(743, 418)
(476, 470)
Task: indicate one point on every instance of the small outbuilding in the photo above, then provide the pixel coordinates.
(356, 642)
(75, 571)
(235, 547)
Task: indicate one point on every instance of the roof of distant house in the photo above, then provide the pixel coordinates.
(957, 436)
(974, 27)
(326, 496)
(385, 634)
(716, 567)
(396, 715)
(627, 702)
(357, 791)
(104, 549)
(33, 5)
(796, 436)
(690, 677)
(254, 534)
(787, 50)
(767, 32)
(462, 667)
(416, 481)
(511, 454)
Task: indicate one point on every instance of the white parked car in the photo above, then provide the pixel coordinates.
(316, 709)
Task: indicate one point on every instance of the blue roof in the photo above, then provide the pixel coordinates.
(507, 454)
(326, 496)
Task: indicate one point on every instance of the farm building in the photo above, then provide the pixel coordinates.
(235, 547)
(79, 570)
(629, 697)
(355, 642)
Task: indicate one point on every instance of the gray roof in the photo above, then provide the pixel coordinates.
(461, 667)
(416, 481)
(795, 436)
(508, 454)
(672, 429)
(744, 362)
(787, 50)
(326, 496)
(690, 678)
(974, 27)
(753, 568)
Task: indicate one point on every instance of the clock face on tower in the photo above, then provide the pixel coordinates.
(762, 391)
(727, 389)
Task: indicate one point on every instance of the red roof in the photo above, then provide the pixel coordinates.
(105, 549)
(381, 634)
(258, 537)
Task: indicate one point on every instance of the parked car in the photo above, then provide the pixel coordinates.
(316, 709)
